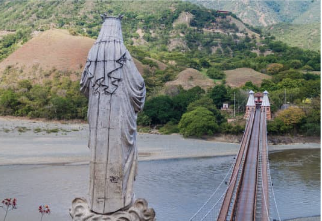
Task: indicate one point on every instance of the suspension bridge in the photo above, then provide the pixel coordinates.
(246, 192)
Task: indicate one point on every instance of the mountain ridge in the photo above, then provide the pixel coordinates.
(265, 13)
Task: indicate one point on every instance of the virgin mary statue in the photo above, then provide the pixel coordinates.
(116, 93)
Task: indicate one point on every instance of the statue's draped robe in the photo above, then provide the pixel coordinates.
(116, 93)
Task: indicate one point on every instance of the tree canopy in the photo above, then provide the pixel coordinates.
(198, 122)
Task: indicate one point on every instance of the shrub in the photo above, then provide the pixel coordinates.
(159, 109)
(197, 123)
(215, 73)
(143, 119)
(169, 128)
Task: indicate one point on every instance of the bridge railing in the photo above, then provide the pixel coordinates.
(222, 202)
(211, 208)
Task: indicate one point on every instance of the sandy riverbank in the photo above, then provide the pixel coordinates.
(10, 123)
(25, 141)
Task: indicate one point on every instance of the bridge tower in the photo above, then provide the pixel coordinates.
(266, 106)
(250, 106)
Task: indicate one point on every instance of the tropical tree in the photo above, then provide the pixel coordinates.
(291, 119)
(215, 73)
(198, 122)
(207, 102)
(159, 109)
(219, 95)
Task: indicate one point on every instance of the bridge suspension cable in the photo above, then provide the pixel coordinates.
(233, 179)
(260, 162)
(264, 187)
(272, 190)
(203, 207)
(212, 195)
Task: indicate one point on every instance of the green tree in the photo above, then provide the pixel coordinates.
(8, 102)
(215, 73)
(143, 119)
(274, 68)
(277, 126)
(290, 83)
(307, 68)
(296, 64)
(311, 124)
(291, 117)
(184, 98)
(60, 108)
(219, 95)
(25, 84)
(159, 109)
(250, 86)
(207, 102)
(198, 122)
(204, 63)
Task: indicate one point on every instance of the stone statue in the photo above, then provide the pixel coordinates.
(116, 93)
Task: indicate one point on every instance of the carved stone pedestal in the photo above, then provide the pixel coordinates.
(139, 211)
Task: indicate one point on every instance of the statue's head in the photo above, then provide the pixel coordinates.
(105, 16)
(111, 28)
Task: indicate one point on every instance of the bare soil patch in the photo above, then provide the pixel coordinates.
(177, 43)
(184, 18)
(162, 66)
(238, 77)
(190, 78)
(54, 48)
(140, 66)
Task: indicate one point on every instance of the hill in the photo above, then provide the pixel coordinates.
(165, 38)
(173, 43)
(311, 16)
(47, 52)
(306, 36)
(265, 13)
(53, 48)
(238, 77)
(190, 78)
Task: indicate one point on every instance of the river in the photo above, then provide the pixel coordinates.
(175, 188)
(175, 176)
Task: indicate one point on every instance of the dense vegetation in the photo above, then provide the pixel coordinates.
(56, 99)
(193, 112)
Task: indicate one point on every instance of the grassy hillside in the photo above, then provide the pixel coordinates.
(265, 13)
(238, 77)
(311, 15)
(307, 36)
(186, 53)
(165, 38)
(296, 23)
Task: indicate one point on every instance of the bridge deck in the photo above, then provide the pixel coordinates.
(246, 199)
(247, 196)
